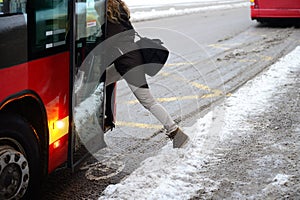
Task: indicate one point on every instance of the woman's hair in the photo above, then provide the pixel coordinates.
(113, 10)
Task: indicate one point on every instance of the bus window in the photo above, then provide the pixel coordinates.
(51, 19)
(13, 32)
(90, 18)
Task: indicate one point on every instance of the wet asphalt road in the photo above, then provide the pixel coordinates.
(212, 54)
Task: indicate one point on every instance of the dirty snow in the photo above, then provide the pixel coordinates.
(179, 173)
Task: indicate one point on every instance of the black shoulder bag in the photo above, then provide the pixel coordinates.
(154, 54)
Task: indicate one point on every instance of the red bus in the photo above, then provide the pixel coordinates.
(263, 10)
(42, 46)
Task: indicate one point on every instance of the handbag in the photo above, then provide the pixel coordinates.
(154, 54)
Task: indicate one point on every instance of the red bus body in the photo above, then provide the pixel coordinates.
(264, 9)
(42, 47)
(48, 78)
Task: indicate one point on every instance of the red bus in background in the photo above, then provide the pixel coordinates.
(264, 10)
(42, 46)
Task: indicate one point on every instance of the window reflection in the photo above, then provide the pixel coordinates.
(12, 6)
(51, 18)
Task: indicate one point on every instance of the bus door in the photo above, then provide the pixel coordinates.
(91, 112)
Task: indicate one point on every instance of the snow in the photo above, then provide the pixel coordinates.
(139, 3)
(176, 173)
(200, 6)
(87, 110)
(278, 183)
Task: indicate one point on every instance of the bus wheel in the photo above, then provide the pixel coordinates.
(19, 159)
(14, 173)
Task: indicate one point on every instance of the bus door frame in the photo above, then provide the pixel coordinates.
(111, 90)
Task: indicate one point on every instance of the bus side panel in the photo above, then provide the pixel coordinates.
(273, 13)
(279, 4)
(57, 156)
(49, 78)
(287, 13)
(52, 80)
(275, 9)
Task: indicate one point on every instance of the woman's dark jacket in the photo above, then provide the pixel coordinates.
(126, 61)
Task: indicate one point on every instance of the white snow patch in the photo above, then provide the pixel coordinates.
(279, 183)
(157, 3)
(87, 111)
(281, 179)
(156, 14)
(176, 173)
(88, 107)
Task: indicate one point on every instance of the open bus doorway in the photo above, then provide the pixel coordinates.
(93, 101)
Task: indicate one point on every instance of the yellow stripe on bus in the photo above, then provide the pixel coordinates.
(58, 129)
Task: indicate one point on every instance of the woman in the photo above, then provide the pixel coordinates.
(129, 66)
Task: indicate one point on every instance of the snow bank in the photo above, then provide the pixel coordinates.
(139, 3)
(176, 173)
(192, 6)
(156, 14)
